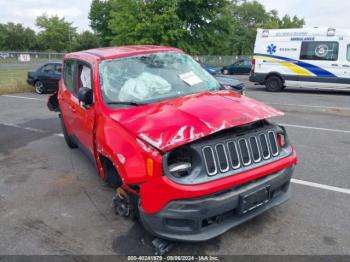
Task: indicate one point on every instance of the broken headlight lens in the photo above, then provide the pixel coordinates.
(181, 162)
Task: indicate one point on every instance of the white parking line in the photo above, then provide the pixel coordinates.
(312, 106)
(29, 128)
(23, 97)
(317, 128)
(22, 127)
(321, 186)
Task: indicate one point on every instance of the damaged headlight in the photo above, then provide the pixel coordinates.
(180, 169)
(182, 162)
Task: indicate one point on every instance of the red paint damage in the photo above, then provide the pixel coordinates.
(128, 140)
(175, 122)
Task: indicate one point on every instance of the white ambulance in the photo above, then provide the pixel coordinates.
(305, 54)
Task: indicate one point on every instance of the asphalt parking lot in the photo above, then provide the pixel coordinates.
(53, 202)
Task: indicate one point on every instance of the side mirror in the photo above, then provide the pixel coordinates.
(85, 96)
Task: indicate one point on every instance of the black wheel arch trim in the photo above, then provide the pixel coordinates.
(275, 74)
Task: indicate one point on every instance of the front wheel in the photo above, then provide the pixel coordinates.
(39, 87)
(274, 84)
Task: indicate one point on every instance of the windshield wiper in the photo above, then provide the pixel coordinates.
(131, 103)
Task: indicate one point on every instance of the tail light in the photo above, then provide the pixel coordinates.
(252, 71)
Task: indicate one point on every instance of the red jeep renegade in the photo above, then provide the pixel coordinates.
(190, 158)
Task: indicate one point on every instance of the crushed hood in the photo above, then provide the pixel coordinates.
(172, 123)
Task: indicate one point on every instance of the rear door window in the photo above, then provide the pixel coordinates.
(317, 50)
(247, 62)
(348, 53)
(49, 68)
(58, 69)
(69, 79)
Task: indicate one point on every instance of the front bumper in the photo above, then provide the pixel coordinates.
(204, 218)
(30, 81)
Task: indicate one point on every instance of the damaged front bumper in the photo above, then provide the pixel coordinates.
(200, 219)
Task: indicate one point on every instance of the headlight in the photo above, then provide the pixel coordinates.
(179, 168)
(182, 162)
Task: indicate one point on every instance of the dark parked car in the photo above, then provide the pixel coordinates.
(46, 78)
(239, 67)
(227, 82)
(212, 70)
(231, 84)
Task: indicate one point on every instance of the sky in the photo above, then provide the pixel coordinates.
(322, 13)
(25, 11)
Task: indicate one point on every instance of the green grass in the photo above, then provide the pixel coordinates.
(14, 81)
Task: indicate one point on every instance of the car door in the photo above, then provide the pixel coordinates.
(247, 66)
(67, 96)
(46, 75)
(345, 63)
(56, 76)
(322, 58)
(84, 116)
(238, 68)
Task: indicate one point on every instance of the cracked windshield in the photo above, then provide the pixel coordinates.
(153, 77)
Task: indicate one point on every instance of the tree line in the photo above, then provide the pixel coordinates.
(55, 35)
(200, 27)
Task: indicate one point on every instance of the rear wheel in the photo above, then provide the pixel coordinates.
(274, 84)
(39, 87)
(68, 140)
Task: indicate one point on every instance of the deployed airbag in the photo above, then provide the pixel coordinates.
(143, 87)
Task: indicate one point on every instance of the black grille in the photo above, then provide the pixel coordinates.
(273, 143)
(222, 157)
(209, 159)
(232, 149)
(264, 146)
(243, 146)
(241, 152)
(255, 148)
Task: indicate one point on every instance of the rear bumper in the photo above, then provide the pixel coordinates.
(200, 219)
(257, 78)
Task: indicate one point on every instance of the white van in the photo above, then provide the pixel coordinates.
(305, 54)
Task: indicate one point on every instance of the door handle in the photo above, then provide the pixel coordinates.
(346, 66)
(334, 64)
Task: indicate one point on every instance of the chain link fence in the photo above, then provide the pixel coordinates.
(14, 67)
(220, 61)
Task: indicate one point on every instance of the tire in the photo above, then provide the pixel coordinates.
(68, 140)
(113, 178)
(274, 84)
(114, 181)
(225, 72)
(39, 87)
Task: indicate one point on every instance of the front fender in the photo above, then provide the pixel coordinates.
(128, 155)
